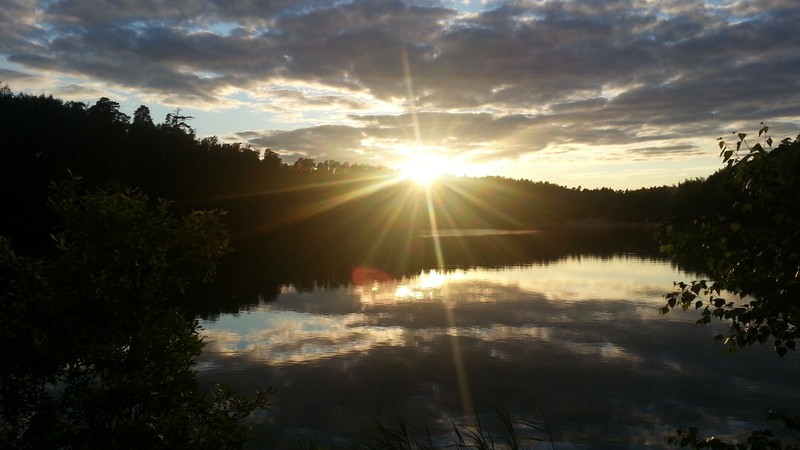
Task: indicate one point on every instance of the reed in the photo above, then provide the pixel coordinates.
(502, 433)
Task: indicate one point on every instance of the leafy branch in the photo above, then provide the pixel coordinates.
(749, 322)
(730, 156)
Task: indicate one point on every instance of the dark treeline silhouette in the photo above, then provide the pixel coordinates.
(319, 219)
(44, 137)
(258, 274)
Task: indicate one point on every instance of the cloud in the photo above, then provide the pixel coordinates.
(13, 75)
(475, 138)
(516, 76)
(380, 139)
(329, 142)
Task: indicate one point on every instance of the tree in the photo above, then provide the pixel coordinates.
(329, 166)
(177, 121)
(305, 165)
(107, 111)
(142, 118)
(746, 237)
(271, 160)
(95, 356)
(749, 245)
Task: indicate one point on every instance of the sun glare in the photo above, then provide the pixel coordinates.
(423, 170)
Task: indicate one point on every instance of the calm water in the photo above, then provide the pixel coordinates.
(578, 339)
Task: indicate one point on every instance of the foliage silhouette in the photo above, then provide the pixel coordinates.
(748, 241)
(750, 246)
(44, 137)
(94, 355)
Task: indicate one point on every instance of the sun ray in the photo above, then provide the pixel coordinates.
(483, 203)
(423, 169)
(405, 202)
(371, 185)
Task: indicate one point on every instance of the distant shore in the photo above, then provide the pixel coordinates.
(584, 224)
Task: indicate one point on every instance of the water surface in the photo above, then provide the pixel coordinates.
(578, 339)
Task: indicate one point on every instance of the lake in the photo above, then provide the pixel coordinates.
(575, 339)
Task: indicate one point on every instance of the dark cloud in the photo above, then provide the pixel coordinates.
(7, 75)
(330, 142)
(374, 139)
(507, 75)
(645, 152)
(304, 100)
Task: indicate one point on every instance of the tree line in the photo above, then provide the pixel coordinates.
(45, 139)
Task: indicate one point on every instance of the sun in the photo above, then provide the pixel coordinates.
(423, 169)
(422, 175)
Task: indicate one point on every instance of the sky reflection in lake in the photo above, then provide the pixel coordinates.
(581, 338)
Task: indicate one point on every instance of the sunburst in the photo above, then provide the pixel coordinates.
(423, 171)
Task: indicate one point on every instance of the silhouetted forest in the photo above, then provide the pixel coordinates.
(44, 138)
(318, 218)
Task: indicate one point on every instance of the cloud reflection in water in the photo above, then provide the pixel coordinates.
(580, 338)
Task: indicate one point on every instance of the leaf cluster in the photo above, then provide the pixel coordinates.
(758, 440)
(95, 356)
(750, 322)
(748, 243)
(744, 233)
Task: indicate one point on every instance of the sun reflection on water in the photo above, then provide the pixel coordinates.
(428, 285)
(507, 304)
(532, 334)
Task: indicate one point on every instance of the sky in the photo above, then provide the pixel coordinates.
(597, 93)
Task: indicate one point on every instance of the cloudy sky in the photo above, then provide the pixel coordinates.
(615, 93)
